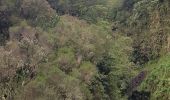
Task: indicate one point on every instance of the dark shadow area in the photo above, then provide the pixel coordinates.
(140, 95)
(4, 27)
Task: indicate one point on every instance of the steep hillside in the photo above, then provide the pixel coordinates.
(148, 25)
(84, 49)
(158, 79)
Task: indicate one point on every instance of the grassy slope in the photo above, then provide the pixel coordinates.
(158, 79)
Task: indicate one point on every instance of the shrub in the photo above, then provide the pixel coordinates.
(66, 59)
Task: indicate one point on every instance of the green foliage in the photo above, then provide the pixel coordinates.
(51, 83)
(66, 59)
(145, 22)
(88, 71)
(121, 70)
(82, 49)
(98, 90)
(47, 23)
(86, 40)
(90, 10)
(157, 81)
(80, 46)
(38, 13)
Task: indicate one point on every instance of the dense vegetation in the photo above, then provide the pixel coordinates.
(84, 50)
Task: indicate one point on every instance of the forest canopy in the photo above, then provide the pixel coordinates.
(84, 49)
